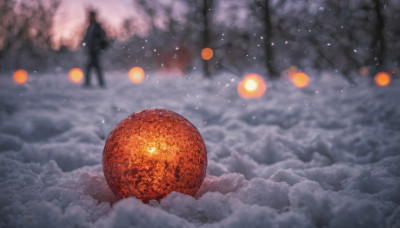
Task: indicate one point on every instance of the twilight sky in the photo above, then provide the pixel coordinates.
(71, 19)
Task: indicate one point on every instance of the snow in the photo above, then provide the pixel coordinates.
(324, 156)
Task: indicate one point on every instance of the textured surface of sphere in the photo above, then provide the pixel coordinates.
(152, 153)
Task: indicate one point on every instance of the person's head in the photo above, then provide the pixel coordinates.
(92, 16)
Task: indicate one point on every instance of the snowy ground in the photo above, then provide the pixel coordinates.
(325, 156)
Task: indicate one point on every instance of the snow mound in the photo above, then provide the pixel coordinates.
(324, 156)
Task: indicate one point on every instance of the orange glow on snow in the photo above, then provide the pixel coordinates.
(20, 77)
(75, 75)
(207, 53)
(382, 79)
(363, 71)
(136, 75)
(252, 86)
(300, 80)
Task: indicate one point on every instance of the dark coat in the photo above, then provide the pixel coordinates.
(95, 34)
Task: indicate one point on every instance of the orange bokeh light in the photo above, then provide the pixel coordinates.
(291, 71)
(207, 53)
(252, 86)
(152, 153)
(382, 79)
(75, 75)
(300, 80)
(136, 75)
(20, 77)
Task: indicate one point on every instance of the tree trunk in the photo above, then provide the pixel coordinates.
(377, 45)
(206, 33)
(268, 43)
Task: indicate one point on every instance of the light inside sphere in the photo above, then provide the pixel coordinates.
(153, 152)
(382, 79)
(300, 80)
(75, 75)
(252, 86)
(136, 75)
(20, 76)
(207, 53)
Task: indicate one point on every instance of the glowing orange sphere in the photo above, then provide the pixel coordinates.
(20, 77)
(152, 153)
(300, 80)
(382, 79)
(207, 53)
(136, 75)
(75, 75)
(252, 86)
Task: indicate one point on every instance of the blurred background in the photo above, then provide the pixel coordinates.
(265, 36)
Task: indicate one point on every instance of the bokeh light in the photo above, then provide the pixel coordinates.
(136, 75)
(363, 71)
(20, 76)
(75, 75)
(382, 79)
(152, 153)
(207, 53)
(252, 86)
(291, 71)
(300, 80)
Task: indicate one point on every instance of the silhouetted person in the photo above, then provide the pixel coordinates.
(93, 41)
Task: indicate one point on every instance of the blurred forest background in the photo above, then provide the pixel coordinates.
(266, 36)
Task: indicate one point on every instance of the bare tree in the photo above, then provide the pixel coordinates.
(378, 45)
(207, 7)
(7, 26)
(27, 33)
(261, 9)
